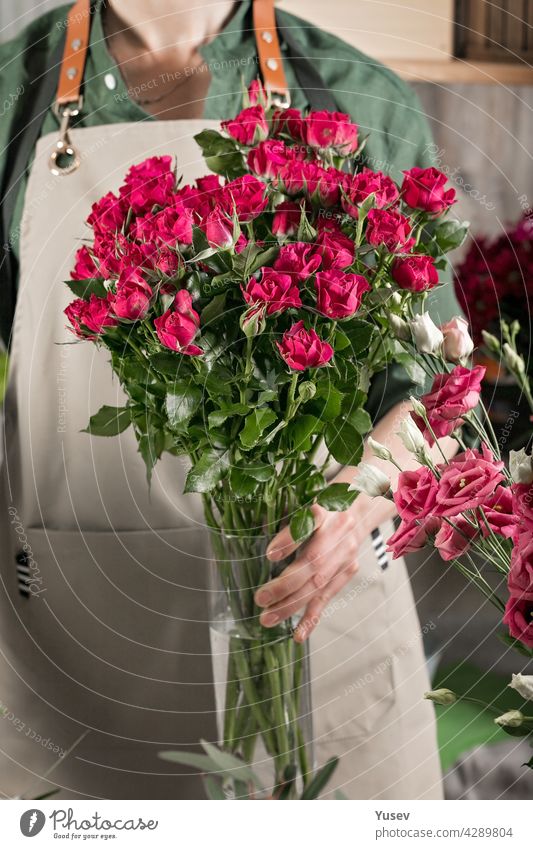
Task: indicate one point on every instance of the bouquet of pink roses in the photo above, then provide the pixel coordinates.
(244, 316)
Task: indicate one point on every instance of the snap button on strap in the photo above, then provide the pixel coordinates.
(64, 158)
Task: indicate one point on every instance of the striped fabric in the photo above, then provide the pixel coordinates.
(378, 545)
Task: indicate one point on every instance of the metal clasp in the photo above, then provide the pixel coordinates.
(64, 158)
(282, 101)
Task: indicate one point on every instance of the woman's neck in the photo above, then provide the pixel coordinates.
(156, 25)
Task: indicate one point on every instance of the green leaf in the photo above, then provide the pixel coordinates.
(328, 401)
(206, 473)
(229, 764)
(336, 496)
(213, 310)
(151, 446)
(344, 442)
(302, 524)
(320, 779)
(182, 402)
(529, 763)
(300, 431)
(361, 420)
(254, 426)
(218, 417)
(166, 363)
(214, 788)
(359, 334)
(85, 288)
(242, 484)
(109, 421)
(259, 471)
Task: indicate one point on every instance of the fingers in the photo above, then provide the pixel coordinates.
(287, 607)
(282, 545)
(289, 583)
(316, 606)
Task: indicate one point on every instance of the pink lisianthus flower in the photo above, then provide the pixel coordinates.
(412, 535)
(453, 540)
(451, 396)
(467, 481)
(416, 494)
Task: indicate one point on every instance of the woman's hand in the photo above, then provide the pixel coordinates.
(323, 566)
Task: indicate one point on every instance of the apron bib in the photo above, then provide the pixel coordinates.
(107, 660)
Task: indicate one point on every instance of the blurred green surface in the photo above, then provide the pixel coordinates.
(3, 374)
(463, 725)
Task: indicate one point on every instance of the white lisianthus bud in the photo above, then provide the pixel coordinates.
(521, 466)
(442, 696)
(411, 436)
(458, 343)
(426, 335)
(399, 327)
(523, 684)
(370, 480)
(379, 450)
(491, 342)
(512, 360)
(510, 719)
(418, 407)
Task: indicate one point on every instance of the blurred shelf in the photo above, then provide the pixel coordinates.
(463, 71)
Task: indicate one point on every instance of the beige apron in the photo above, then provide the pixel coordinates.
(108, 660)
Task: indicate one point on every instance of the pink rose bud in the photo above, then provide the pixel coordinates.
(132, 296)
(248, 127)
(257, 94)
(339, 294)
(84, 267)
(279, 291)
(424, 188)
(219, 230)
(178, 326)
(286, 218)
(458, 344)
(415, 273)
(301, 348)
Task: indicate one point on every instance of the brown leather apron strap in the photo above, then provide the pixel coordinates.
(269, 52)
(75, 53)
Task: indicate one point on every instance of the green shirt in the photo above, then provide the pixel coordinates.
(374, 96)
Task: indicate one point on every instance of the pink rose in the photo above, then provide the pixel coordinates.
(268, 158)
(412, 536)
(93, 315)
(389, 228)
(167, 261)
(132, 297)
(219, 230)
(452, 395)
(301, 348)
(467, 481)
(499, 513)
(339, 294)
(178, 326)
(423, 188)
(335, 247)
(249, 126)
(84, 267)
(279, 291)
(356, 188)
(298, 176)
(327, 191)
(286, 218)
(454, 540)
(298, 259)
(519, 619)
(330, 129)
(151, 183)
(416, 273)
(105, 250)
(457, 343)
(520, 578)
(246, 196)
(108, 214)
(416, 493)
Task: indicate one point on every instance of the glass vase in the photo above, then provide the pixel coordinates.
(261, 675)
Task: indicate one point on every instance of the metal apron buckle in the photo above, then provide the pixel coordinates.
(64, 151)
